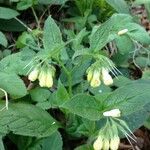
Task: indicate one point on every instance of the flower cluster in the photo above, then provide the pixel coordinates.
(44, 74)
(99, 71)
(108, 137)
(95, 76)
(106, 143)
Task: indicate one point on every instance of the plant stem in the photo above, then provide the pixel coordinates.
(36, 18)
(69, 77)
(29, 29)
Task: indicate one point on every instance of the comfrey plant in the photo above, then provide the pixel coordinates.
(70, 83)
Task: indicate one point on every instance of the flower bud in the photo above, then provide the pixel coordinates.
(34, 74)
(42, 78)
(95, 82)
(98, 144)
(105, 144)
(112, 113)
(114, 143)
(107, 79)
(49, 79)
(122, 31)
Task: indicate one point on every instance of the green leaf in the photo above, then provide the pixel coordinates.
(107, 32)
(52, 35)
(12, 84)
(78, 126)
(142, 61)
(139, 2)
(56, 2)
(7, 13)
(120, 7)
(54, 142)
(147, 123)
(138, 33)
(16, 63)
(56, 99)
(124, 40)
(25, 4)
(85, 106)
(1, 144)
(124, 98)
(3, 40)
(39, 94)
(136, 119)
(27, 120)
(11, 25)
(128, 96)
(84, 147)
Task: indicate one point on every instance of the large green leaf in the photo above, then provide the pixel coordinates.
(127, 97)
(3, 40)
(138, 33)
(54, 142)
(106, 32)
(85, 106)
(12, 84)
(124, 98)
(120, 7)
(52, 34)
(16, 63)
(27, 120)
(7, 13)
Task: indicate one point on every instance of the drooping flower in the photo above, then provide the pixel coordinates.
(121, 32)
(112, 113)
(114, 143)
(99, 71)
(50, 75)
(95, 81)
(46, 76)
(107, 79)
(105, 144)
(42, 78)
(98, 144)
(34, 74)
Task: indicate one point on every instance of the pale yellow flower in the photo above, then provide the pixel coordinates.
(105, 144)
(49, 79)
(98, 144)
(114, 143)
(42, 78)
(34, 74)
(95, 81)
(107, 79)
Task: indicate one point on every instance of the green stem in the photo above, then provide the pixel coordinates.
(69, 77)
(36, 18)
(30, 30)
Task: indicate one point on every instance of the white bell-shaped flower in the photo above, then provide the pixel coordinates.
(107, 79)
(105, 144)
(49, 79)
(42, 78)
(112, 113)
(121, 32)
(34, 74)
(114, 143)
(98, 144)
